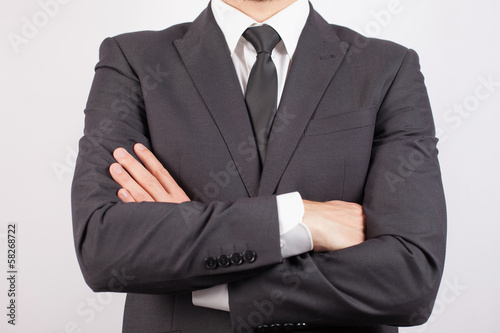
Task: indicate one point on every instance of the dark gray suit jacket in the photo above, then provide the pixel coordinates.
(354, 124)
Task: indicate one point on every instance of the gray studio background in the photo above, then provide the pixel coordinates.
(46, 73)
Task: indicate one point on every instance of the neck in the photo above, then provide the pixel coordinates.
(260, 10)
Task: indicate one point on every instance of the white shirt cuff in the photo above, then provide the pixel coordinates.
(295, 237)
(290, 211)
(215, 298)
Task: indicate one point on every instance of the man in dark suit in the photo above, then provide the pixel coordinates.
(333, 220)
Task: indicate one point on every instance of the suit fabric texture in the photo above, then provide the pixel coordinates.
(354, 124)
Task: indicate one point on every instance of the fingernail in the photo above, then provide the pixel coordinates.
(123, 194)
(120, 152)
(140, 146)
(116, 169)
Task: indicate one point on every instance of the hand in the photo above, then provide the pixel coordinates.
(334, 225)
(148, 181)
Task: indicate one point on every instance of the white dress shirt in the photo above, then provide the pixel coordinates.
(295, 237)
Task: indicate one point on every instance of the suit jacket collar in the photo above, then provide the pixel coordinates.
(207, 58)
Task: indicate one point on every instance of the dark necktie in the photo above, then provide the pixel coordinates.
(262, 87)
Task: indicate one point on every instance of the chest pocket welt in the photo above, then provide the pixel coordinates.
(342, 122)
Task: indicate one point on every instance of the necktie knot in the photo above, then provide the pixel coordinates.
(263, 38)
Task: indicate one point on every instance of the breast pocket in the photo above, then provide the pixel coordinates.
(342, 122)
(333, 156)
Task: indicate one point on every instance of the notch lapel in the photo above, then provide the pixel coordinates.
(318, 55)
(207, 58)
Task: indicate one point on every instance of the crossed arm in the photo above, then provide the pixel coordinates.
(382, 280)
(334, 225)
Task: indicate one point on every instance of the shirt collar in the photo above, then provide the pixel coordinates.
(288, 23)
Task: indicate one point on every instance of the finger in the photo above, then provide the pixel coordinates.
(125, 196)
(160, 173)
(128, 183)
(141, 175)
(155, 167)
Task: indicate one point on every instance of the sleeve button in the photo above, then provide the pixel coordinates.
(210, 263)
(223, 260)
(249, 256)
(275, 328)
(263, 329)
(236, 258)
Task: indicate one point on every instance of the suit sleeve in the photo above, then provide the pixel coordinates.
(154, 247)
(397, 270)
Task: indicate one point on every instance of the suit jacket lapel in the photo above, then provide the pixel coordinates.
(207, 58)
(317, 57)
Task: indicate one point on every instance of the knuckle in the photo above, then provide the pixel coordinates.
(142, 198)
(162, 172)
(149, 180)
(357, 209)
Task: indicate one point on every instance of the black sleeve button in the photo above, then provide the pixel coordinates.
(275, 328)
(211, 263)
(249, 256)
(263, 329)
(301, 325)
(288, 327)
(223, 260)
(236, 258)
